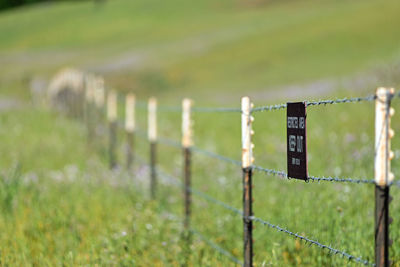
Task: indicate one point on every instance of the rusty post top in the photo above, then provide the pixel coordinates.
(112, 106)
(247, 132)
(187, 123)
(130, 113)
(152, 119)
(383, 134)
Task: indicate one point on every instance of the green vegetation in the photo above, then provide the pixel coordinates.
(176, 48)
(61, 206)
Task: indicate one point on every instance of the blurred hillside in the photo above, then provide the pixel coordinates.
(176, 48)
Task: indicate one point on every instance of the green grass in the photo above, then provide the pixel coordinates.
(194, 49)
(60, 206)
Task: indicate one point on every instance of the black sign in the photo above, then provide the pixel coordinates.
(296, 140)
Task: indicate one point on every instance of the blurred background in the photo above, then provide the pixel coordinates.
(61, 206)
(263, 48)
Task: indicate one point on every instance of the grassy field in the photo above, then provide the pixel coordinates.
(175, 49)
(62, 207)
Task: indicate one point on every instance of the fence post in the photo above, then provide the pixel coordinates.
(89, 107)
(247, 160)
(187, 143)
(130, 128)
(112, 120)
(99, 101)
(383, 176)
(152, 135)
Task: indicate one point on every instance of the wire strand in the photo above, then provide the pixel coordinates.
(216, 247)
(273, 226)
(283, 174)
(317, 103)
(216, 156)
(313, 242)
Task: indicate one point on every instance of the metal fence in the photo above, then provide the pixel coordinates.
(382, 182)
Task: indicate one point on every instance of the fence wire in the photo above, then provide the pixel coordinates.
(216, 247)
(313, 242)
(368, 98)
(278, 173)
(216, 156)
(210, 199)
(317, 103)
(283, 174)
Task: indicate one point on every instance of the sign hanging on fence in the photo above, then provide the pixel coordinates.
(296, 140)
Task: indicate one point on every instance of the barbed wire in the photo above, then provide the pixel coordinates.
(313, 242)
(218, 109)
(205, 196)
(169, 142)
(273, 172)
(317, 103)
(273, 226)
(216, 156)
(368, 98)
(313, 178)
(216, 247)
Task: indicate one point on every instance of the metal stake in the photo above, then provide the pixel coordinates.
(383, 176)
(247, 160)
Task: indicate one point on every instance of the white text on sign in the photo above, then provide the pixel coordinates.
(296, 122)
(296, 143)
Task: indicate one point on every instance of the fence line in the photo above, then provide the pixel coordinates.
(216, 247)
(313, 242)
(175, 181)
(368, 98)
(383, 178)
(282, 174)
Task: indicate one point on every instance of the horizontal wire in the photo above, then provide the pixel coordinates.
(142, 104)
(317, 103)
(313, 178)
(216, 156)
(209, 110)
(253, 218)
(205, 196)
(278, 173)
(273, 172)
(176, 181)
(313, 242)
(169, 142)
(216, 247)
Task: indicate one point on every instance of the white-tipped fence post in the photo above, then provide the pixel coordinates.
(152, 135)
(383, 176)
(130, 128)
(112, 121)
(247, 162)
(187, 143)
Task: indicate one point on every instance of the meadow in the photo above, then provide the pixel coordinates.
(62, 206)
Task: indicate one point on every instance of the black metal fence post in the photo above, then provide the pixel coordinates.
(247, 161)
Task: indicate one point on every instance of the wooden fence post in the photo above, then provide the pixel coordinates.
(383, 176)
(187, 143)
(112, 120)
(130, 128)
(152, 135)
(247, 161)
